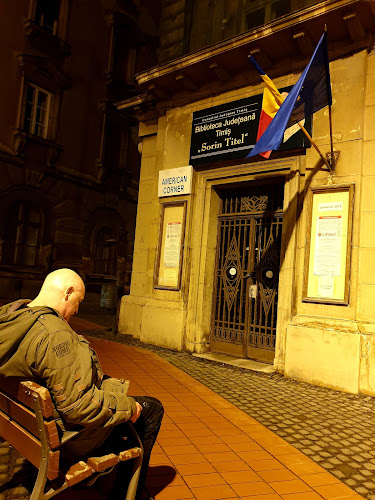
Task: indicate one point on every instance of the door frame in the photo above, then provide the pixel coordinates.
(202, 246)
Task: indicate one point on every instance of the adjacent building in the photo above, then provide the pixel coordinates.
(69, 159)
(268, 259)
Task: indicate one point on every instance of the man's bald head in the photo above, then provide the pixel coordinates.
(60, 279)
(62, 290)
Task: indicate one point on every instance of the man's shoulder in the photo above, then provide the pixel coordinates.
(53, 322)
(11, 307)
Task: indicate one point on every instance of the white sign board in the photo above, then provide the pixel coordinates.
(175, 182)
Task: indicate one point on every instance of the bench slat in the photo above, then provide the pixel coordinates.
(26, 418)
(25, 395)
(23, 392)
(24, 442)
(53, 464)
(129, 454)
(101, 463)
(78, 472)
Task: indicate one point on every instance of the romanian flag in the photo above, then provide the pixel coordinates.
(271, 103)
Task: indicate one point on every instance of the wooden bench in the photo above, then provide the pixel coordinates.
(27, 423)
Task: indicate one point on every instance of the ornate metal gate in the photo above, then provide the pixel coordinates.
(247, 272)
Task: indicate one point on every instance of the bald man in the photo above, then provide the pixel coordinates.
(37, 343)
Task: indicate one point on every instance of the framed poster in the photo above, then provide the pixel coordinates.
(329, 242)
(168, 266)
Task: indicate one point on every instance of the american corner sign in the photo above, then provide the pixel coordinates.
(176, 181)
(229, 131)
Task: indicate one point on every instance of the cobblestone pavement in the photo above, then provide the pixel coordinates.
(333, 428)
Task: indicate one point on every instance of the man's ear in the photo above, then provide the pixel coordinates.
(68, 292)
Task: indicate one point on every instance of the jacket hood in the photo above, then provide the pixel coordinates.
(16, 319)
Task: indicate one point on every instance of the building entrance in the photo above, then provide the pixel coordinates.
(247, 272)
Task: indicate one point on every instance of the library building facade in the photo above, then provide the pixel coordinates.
(266, 259)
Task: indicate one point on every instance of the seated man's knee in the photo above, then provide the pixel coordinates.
(152, 408)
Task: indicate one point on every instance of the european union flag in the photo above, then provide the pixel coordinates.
(311, 93)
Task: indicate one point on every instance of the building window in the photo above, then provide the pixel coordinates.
(105, 252)
(23, 235)
(47, 14)
(37, 102)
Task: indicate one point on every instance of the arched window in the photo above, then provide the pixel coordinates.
(105, 252)
(23, 234)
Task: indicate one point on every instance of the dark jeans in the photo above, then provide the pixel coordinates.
(111, 440)
(147, 427)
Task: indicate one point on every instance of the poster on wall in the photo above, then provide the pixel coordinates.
(168, 265)
(328, 249)
(172, 244)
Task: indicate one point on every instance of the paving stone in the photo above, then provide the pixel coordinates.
(366, 473)
(351, 482)
(21, 461)
(337, 473)
(346, 451)
(334, 461)
(18, 492)
(361, 490)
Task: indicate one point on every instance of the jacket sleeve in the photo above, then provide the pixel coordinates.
(72, 373)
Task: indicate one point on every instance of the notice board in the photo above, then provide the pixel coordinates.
(329, 242)
(168, 266)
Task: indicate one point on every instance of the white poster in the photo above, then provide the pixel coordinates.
(172, 244)
(327, 258)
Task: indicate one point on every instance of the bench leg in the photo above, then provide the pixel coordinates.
(137, 464)
(38, 490)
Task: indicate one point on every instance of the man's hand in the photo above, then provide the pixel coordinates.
(136, 414)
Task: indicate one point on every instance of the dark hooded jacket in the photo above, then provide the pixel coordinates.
(36, 343)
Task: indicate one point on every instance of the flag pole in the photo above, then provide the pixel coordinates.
(330, 127)
(313, 143)
(330, 113)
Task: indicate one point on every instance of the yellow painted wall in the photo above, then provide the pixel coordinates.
(323, 357)
(326, 344)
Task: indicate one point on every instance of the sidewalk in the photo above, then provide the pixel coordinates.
(208, 448)
(334, 429)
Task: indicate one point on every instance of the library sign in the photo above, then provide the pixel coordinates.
(229, 131)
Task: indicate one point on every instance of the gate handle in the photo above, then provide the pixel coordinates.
(251, 275)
